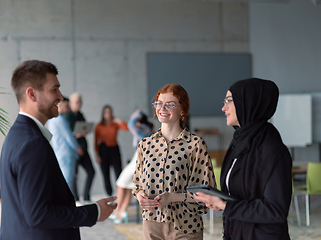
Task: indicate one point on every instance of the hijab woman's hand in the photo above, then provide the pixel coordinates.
(213, 202)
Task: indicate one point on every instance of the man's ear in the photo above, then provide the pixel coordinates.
(31, 94)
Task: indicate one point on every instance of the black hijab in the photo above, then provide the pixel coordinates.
(255, 102)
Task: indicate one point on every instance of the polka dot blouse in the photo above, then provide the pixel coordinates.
(170, 167)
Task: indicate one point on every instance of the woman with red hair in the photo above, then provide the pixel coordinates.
(167, 162)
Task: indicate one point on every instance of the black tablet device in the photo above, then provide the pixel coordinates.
(211, 191)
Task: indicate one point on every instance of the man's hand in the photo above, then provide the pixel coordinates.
(81, 134)
(105, 208)
(98, 159)
(80, 152)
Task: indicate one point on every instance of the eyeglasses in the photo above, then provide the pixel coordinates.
(227, 101)
(167, 106)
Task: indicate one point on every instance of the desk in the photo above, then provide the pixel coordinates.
(299, 167)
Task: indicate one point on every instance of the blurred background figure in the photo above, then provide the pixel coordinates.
(64, 143)
(140, 127)
(72, 117)
(106, 145)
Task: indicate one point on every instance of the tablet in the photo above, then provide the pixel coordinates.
(82, 126)
(211, 191)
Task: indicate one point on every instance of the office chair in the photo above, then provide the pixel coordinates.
(296, 204)
(313, 186)
(217, 175)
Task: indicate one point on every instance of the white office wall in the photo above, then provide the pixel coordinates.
(100, 48)
(285, 44)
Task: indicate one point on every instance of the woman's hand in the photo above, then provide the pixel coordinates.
(117, 120)
(213, 202)
(145, 202)
(164, 199)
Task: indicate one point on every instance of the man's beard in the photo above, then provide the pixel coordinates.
(48, 112)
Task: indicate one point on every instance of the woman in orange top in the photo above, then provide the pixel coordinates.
(106, 146)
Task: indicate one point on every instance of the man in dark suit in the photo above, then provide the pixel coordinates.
(37, 203)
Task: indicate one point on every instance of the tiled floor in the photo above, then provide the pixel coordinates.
(133, 231)
(303, 232)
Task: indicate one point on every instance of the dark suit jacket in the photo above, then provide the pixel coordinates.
(36, 201)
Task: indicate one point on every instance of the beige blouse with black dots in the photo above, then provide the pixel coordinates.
(170, 167)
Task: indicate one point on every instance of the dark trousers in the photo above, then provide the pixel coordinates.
(110, 157)
(86, 163)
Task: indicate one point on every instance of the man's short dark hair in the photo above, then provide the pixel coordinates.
(31, 73)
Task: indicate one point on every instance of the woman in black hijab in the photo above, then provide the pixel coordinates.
(256, 168)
